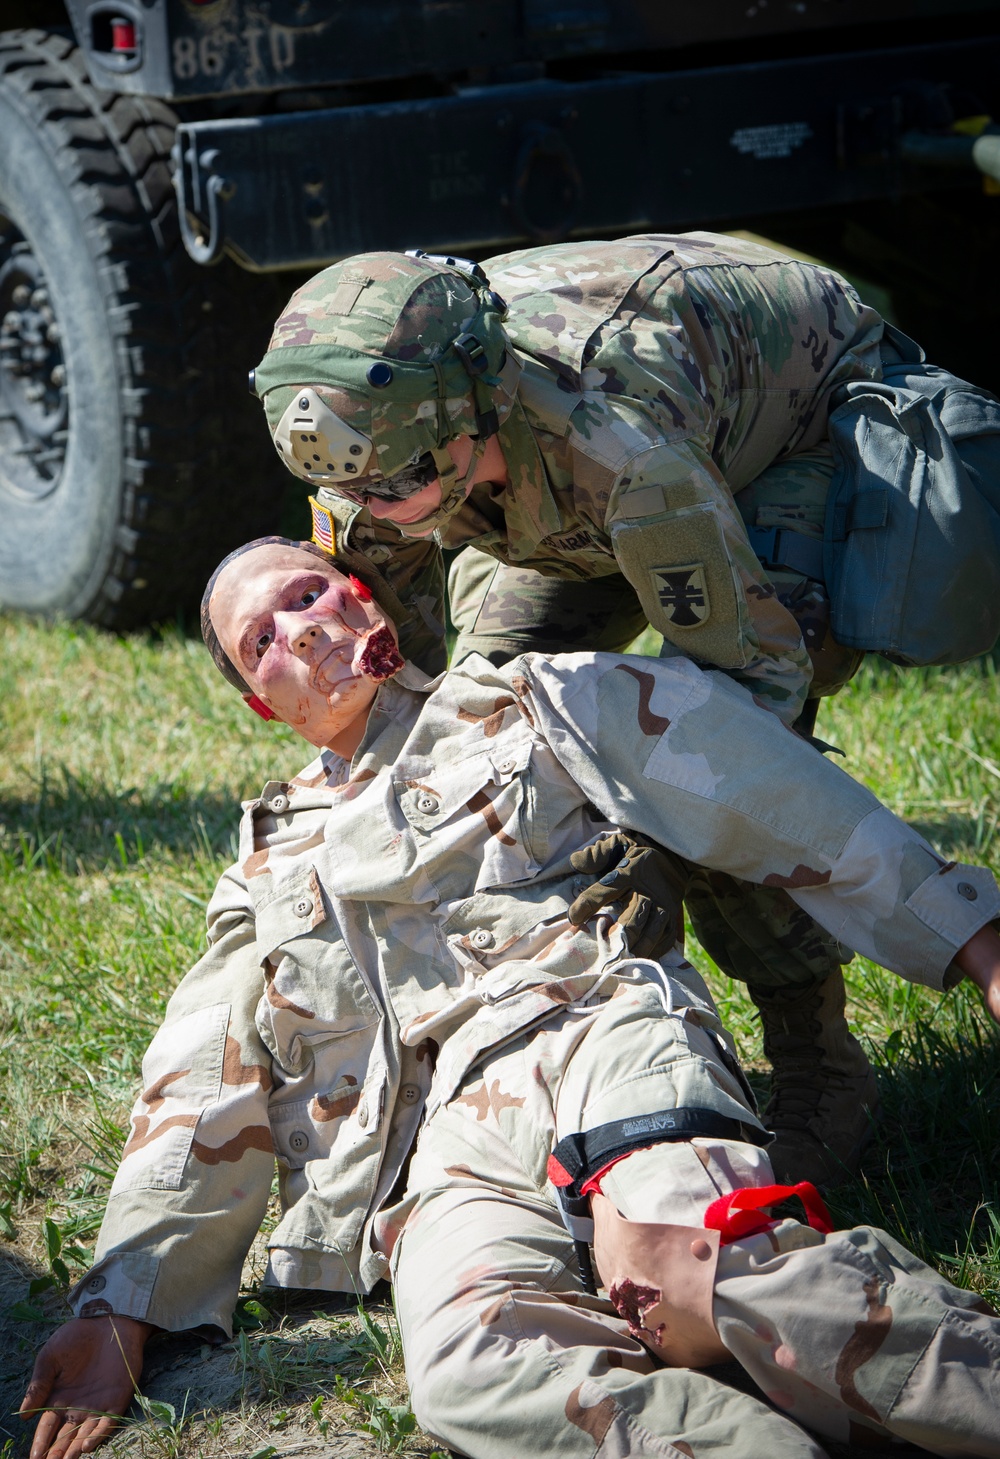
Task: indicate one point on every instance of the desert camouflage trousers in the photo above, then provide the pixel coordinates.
(509, 1358)
(755, 934)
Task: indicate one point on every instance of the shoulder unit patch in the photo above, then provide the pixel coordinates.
(683, 594)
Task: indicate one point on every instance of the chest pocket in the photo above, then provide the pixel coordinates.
(313, 991)
(477, 822)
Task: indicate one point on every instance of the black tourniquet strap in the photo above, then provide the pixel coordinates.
(576, 1158)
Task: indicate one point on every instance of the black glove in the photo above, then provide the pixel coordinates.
(648, 881)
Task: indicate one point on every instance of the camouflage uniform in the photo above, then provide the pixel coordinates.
(664, 395)
(665, 382)
(846, 1333)
(391, 956)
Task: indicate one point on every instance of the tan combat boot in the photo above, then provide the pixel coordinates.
(824, 1098)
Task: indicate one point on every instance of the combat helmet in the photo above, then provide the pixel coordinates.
(377, 362)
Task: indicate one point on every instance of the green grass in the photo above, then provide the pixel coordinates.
(124, 762)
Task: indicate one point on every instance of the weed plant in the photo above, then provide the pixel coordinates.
(124, 764)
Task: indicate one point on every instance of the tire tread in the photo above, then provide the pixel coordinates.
(177, 328)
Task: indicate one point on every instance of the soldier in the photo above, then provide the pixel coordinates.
(395, 982)
(638, 434)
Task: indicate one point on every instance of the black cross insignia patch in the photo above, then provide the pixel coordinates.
(683, 594)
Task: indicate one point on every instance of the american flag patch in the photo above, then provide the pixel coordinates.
(324, 532)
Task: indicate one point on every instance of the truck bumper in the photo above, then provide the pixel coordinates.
(501, 165)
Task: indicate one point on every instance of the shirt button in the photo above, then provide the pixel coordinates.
(279, 804)
(363, 1118)
(298, 1141)
(967, 890)
(97, 1284)
(409, 1094)
(505, 766)
(428, 804)
(303, 907)
(481, 938)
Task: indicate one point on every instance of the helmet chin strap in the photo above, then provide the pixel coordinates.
(454, 490)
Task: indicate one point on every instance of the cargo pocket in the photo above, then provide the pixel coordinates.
(679, 566)
(912, 547)
(484, 807)
(182, 1074)
(314, 993)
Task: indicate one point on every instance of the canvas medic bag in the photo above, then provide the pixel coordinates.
(912, 539)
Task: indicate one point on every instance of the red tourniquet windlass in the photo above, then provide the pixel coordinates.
(744, 1212)
(361, 591)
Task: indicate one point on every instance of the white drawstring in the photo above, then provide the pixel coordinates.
(648, 968)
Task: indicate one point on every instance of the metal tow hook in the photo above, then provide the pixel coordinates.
(200, 189)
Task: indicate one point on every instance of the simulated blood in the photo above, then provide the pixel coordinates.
(380, 658)
(633, 1302)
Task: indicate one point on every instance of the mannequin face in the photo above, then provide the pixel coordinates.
(309, 646)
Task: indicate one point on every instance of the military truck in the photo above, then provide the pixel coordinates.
(168, 168)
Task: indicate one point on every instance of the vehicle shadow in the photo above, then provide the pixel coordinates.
(81, 826)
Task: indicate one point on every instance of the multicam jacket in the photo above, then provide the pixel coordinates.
(391, 921)
(661, 376)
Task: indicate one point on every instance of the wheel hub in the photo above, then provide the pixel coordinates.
(33, 396)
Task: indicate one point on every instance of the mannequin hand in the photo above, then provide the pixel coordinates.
(83, 1381)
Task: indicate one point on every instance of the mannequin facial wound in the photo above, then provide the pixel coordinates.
(311, 644)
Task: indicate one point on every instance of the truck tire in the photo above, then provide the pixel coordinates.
(131, 457)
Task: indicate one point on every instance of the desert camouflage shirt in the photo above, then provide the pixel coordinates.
(661, 375)
(391, 921)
